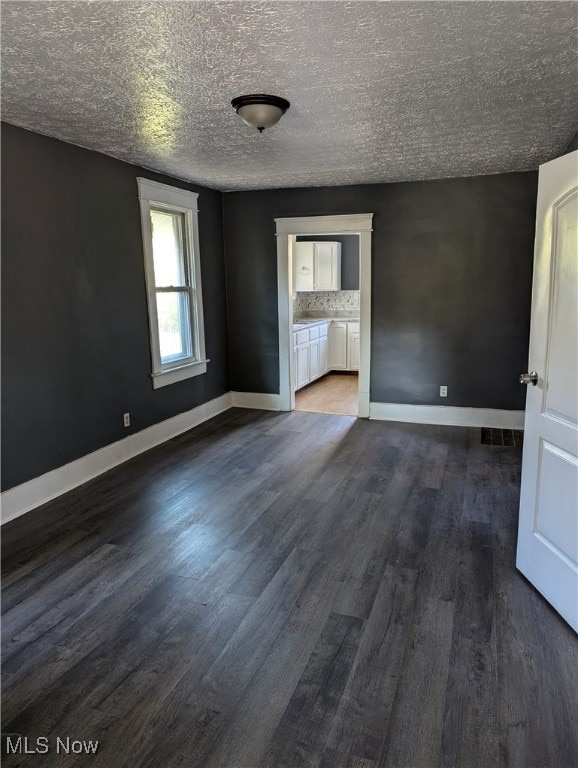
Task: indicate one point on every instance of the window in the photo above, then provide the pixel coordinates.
(173, 275)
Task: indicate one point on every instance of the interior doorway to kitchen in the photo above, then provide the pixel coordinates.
(326, 323)
(324, 279)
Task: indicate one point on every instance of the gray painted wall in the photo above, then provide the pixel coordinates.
(452, 268)
(75, 343)
(573, 144)
(349, 257)
(452, 272)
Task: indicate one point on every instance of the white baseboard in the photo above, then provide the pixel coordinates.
(448, 415)
(257, 400)
(22, 498)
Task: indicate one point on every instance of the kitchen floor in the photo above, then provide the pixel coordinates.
(334, 393)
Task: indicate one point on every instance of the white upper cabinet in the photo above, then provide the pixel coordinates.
(327, 267)
(303, 261)
(317, 266)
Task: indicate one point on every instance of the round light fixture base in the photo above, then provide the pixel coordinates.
(259, 110)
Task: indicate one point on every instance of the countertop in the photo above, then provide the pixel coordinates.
(305, 322)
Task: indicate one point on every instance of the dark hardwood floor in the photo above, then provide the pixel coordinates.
(288, 590)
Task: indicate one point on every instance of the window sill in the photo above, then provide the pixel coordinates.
(171, 376)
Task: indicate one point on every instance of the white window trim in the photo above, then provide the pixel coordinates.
(152, 193)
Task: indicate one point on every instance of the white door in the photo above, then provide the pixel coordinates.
(548, 525)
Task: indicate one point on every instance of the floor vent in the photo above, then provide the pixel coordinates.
(507, 437)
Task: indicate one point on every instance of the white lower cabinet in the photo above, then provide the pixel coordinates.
(353, 346)
(323, 355)
(338, 346)
(310, 354)
(301, 366)
(344, 346)
(314, 360)
(327, 347)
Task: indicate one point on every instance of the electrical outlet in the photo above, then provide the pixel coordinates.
(443, 391)
(126, 419)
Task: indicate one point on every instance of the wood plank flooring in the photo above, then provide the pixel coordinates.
(333, 393)
(288, 589)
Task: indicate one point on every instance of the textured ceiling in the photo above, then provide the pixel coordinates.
(379, 91)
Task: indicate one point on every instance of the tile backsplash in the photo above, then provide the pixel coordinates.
(326, 304)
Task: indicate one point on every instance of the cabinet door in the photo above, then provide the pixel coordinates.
(327, 266)
(323, 355)
(338, 346)
(302, 366)
(303, 266)
(353, 351)
(314, 360)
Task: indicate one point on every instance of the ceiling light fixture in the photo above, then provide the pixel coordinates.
(259, 110)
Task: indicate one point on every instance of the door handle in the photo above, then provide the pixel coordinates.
(529, 378)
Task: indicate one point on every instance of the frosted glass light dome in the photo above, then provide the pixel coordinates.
(259, 110)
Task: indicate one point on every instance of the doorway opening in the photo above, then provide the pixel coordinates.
(326, 323)
(324, 281)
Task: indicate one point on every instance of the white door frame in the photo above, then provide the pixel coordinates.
(287, 229)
